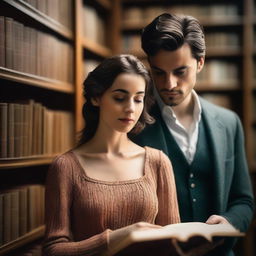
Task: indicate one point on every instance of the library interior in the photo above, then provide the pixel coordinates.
(47, 48)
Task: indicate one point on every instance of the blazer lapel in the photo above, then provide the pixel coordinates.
(217, 137)
(157, 132)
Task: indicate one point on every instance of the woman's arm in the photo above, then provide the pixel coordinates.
(59, 198)
(168, 209)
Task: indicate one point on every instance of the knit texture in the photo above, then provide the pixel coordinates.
(81, 211)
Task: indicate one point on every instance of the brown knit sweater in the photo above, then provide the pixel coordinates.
(81, 211)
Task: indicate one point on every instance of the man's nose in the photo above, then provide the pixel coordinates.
(171, 81)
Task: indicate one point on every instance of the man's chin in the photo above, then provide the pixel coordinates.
(172, 103)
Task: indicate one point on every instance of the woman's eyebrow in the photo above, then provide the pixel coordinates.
(126, 92)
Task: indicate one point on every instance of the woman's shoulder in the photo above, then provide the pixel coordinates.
(63, 161)
(153, 151)
(156, 155)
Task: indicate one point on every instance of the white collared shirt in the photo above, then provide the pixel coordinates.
(186, 139)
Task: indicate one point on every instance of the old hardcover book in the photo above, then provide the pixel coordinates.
(2, 41)
(190, 238)
(14, 214)
(3, 129)
(23, 211)
(9, 42)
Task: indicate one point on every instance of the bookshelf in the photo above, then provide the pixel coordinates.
(44, 48)
(97, 37)
(228, 78)
(29, 111)
(23, 240)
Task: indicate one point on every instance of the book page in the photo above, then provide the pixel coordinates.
(183, 231)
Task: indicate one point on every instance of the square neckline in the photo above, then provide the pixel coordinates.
(117, 182)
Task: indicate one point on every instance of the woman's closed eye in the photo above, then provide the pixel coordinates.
(139, 99)
(136, 99)
(119, 99)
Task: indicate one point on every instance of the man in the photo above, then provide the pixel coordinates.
(204, 142)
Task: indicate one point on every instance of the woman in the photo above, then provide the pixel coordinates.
(107, 186)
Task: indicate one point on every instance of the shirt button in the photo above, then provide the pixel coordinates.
(194, 200)
(191, 175)
(192, 185)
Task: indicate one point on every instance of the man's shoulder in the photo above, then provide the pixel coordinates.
(224, 115)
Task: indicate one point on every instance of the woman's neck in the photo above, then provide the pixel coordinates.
(111, 143)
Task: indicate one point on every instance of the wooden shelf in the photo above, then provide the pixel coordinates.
(106, 4)
(221, 21)
(96, 48)
(27, 238)
(41, 17)
(138, 53)
(217, 87)
(223, 52)
(210, 52)
(35, 80)
(206, 22)
(25, 162)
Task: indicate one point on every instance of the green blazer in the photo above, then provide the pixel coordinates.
(234, 197)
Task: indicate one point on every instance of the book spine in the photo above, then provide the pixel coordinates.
(10, 130)
(2, 41)
(7, 217)
(1, 219)
(14, 215)
(3, 129)
(23, 217)
(9, 42)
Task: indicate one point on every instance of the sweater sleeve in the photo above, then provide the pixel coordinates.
(168, 210)
(59, 194)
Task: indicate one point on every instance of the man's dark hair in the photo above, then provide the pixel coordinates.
(169, 32)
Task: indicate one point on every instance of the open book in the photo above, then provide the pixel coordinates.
(185, 239)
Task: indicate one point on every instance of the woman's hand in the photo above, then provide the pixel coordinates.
(118, 234)
(216, 219)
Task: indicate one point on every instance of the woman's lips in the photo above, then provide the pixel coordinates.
(126, 120)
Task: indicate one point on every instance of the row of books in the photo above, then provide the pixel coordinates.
(31, 51)
(59, 10)
(132, 42)
(21, 211)
(137, 15)
(227, 40)
(30, 130)
(93, 25)
(220, 100)
(215, 40)
(219, 72)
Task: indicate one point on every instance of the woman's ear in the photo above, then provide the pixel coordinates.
(200, 64)
(95, 102)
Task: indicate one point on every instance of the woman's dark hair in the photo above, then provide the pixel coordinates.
(101, 79)
(169, 32)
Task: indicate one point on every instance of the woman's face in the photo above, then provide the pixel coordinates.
(122, 104)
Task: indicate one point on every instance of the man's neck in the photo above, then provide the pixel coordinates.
(185, 111)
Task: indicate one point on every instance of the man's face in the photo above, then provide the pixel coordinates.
(174, 74)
